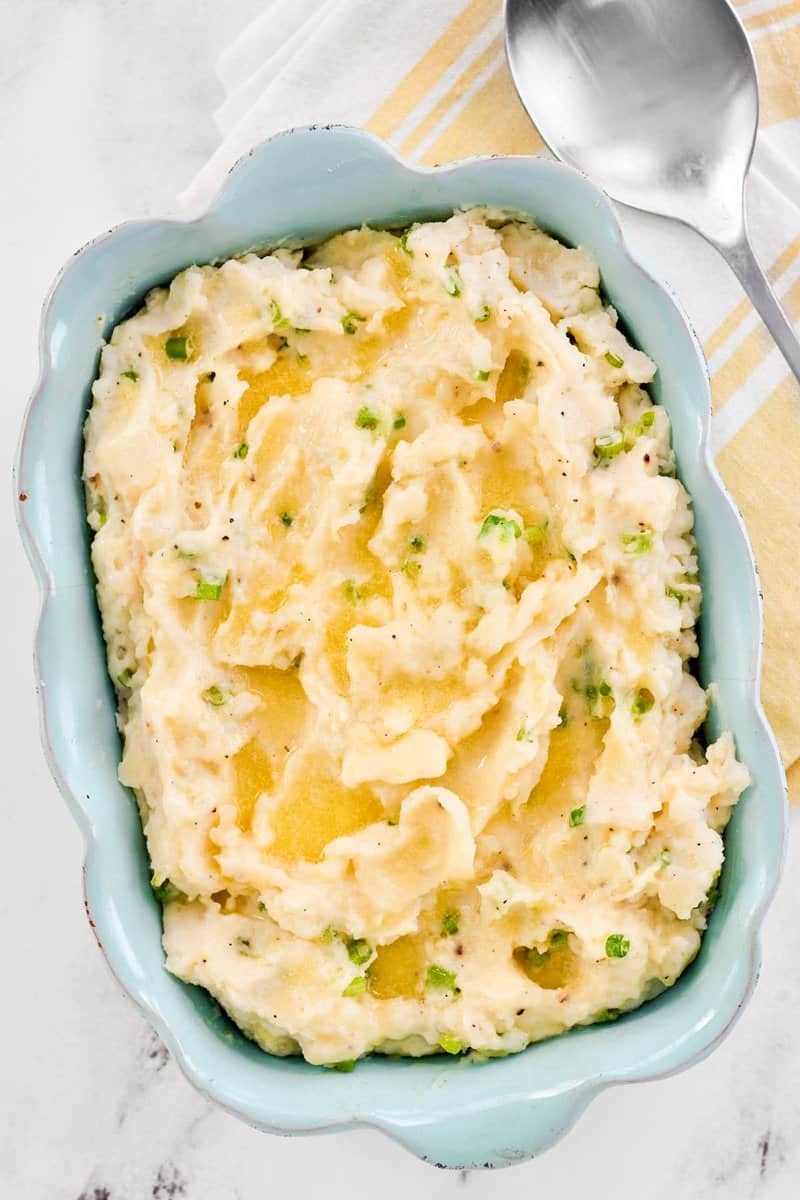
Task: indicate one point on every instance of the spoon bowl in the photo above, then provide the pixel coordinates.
(657, 102)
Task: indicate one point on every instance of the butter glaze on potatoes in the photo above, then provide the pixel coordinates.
(399, 591)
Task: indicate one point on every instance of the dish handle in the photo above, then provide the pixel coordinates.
(513, 1130)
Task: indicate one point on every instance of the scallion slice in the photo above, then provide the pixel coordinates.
(453, 282)
(450, 922)
(366, 419)
(643, 702)
(637, 543)
(178, 348)
(506, 527)
(617, 945)
(441, 978)
(608, 445)
(209, 589)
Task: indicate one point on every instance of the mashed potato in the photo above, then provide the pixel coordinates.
(399, 590)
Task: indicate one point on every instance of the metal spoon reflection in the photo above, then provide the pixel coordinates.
(656, 100)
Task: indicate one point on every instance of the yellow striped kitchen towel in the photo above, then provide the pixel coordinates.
(431, 79)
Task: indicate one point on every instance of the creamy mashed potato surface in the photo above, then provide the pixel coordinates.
(399, 590)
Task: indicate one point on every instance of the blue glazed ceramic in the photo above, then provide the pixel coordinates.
(301, 187)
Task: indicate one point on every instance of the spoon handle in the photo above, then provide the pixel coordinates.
(740, 257)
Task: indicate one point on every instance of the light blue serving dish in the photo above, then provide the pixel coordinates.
(300, 187)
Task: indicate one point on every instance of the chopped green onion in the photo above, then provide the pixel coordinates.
(350, 322)
(262, 906)
(712, 896)
(577, 816)
(366, 419)
(102, 517)
(647, 418)
(450, 922)
(617, 945)
(279, 321)
(345, 1066)
(134, 375)
(558, 937)
(450, 1044)
(187, 554)
(286, 519)
(351, 591)
(506, 527)
(535, 534)
(209, 589)
(411, 567)
(477, 375)
(124, 678)
(404, 243)
(605, 1015)
(165, 891)
(643, 701)
(298, 658)
(483, 315)
(178, 348)
(328, 935)
(608, 445)
(630, 434)
(525, 734)
(213, 696)
(637, 543)
(613, 359)
(241, 450)
(356, 986)
(674, 594)
(359, 951)
(417, 543)
(440, 977)
(453, 281)
(665, 858)
(399, 422)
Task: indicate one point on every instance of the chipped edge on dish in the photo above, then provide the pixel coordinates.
(574, 1097)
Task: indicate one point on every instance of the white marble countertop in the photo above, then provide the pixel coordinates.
(105, 114)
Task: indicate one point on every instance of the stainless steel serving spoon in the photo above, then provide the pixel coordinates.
(656, 100)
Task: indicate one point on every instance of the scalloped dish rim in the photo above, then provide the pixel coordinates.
(456, 1114)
